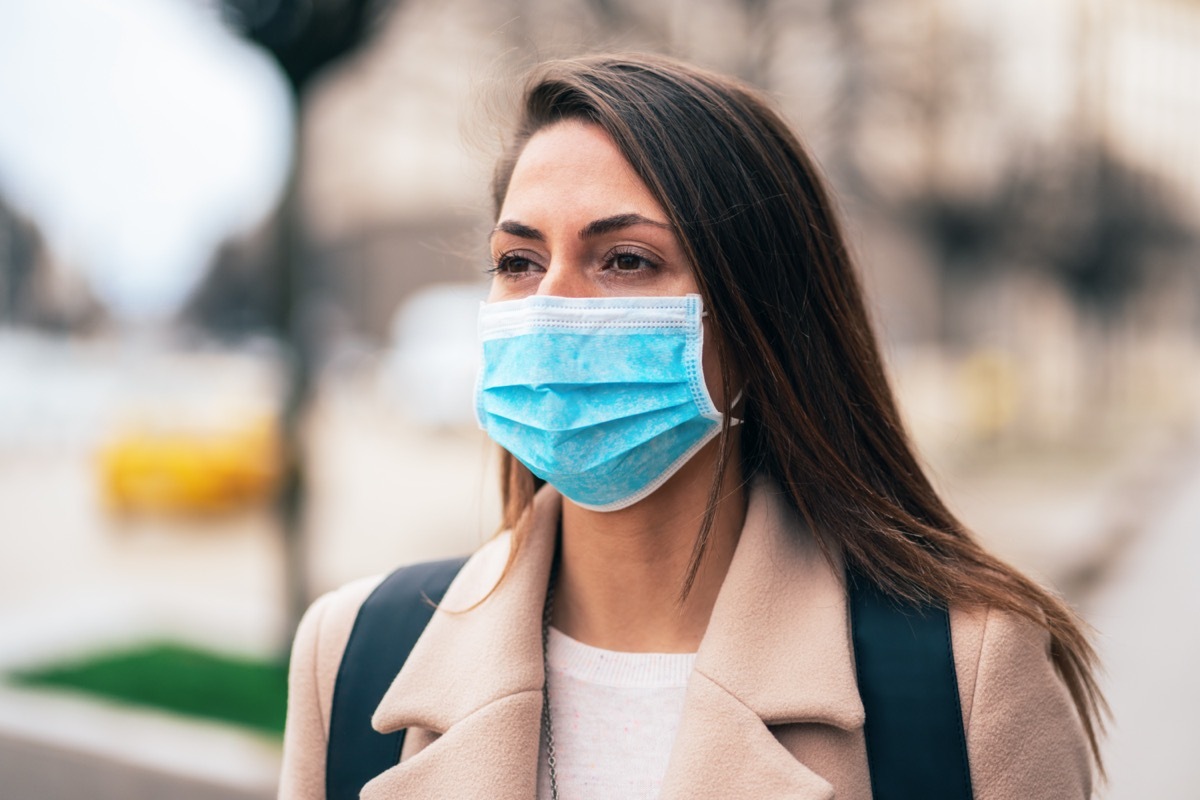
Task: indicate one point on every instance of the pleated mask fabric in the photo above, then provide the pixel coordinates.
(601, 397)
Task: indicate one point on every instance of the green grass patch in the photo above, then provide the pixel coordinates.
(178, 678)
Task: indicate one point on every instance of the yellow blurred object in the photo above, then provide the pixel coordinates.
(991, 384)
(190, 472)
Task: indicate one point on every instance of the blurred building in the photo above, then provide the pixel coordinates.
(1018, 180)
(901, 101)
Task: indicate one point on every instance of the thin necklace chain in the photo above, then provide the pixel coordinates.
(547, 723)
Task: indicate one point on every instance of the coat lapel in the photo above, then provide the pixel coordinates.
(777, 651)
(474, 678)
(723, 749)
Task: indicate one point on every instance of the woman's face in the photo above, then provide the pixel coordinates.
(578, 222)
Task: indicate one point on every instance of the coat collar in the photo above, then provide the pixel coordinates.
(779, 636)
(777, 650)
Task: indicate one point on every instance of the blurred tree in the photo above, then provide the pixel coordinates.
(534, 27)
(965, 230)
(1101, 228)
(304, 36)
(855, 89)
(1080, 212)
(1074, 209)
(1106, 230)
(616, 17)
(35, 291)
(19, 245)
(238, 296)
(763, 21)
(1097, 223)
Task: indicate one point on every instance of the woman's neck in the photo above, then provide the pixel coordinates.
(622, 572)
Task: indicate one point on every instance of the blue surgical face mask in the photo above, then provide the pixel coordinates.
(601, 397)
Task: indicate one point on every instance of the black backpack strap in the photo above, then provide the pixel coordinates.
(387, 626)
(916, 747)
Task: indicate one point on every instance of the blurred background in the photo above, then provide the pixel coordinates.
(241, 250)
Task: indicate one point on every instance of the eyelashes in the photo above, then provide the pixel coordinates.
(630, 259)
(508, 264)
(620, 260)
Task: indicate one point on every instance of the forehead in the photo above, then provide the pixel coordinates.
(573, 168)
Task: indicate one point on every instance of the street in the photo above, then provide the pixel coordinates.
(1146, 616)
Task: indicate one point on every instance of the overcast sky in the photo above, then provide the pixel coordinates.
(138, 134)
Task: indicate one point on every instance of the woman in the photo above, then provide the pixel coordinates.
(676, 346)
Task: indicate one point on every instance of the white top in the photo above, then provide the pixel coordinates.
(615, 716)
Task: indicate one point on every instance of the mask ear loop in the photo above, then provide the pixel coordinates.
(737, 398)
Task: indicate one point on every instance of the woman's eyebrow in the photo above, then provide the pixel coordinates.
(594, 228)
(518, 229)
(616, 222)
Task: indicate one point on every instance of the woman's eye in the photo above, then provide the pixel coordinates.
(630, 262)
(512, 265)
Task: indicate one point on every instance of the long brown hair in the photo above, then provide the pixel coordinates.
(755, 219)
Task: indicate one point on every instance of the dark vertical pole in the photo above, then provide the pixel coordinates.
(304, 38)
(295, 329)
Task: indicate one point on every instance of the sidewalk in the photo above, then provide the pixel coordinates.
(1065, 517)
(55, 746)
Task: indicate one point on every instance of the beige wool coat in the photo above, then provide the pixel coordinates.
(771, 710)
